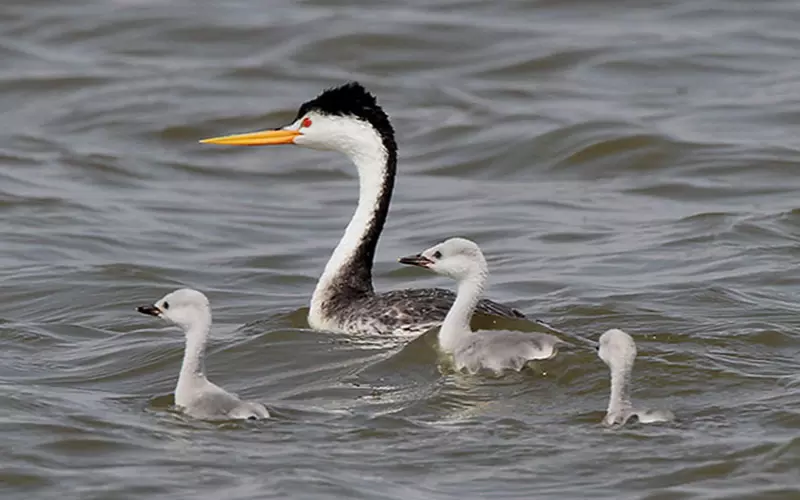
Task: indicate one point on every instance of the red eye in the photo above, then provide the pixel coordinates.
(306, 122)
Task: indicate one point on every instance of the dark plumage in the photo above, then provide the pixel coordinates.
(413, 310)
(352, 99)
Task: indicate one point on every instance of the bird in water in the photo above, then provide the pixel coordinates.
(495, 351)
(618, 350)
(199, 398)
(349, 120)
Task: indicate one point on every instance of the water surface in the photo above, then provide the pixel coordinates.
(622, 165)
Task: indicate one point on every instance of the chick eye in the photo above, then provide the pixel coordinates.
(437, 254)
(166, 305)
(306, 122)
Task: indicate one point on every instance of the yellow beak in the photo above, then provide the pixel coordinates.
(263, 138)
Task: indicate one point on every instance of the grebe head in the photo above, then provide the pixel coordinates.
(185, 308)
(345, 118)
(457, 258)
(617, 349)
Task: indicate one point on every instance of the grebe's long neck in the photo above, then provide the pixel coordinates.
(456, 324)
(193, 368)
(349, 270)
(620, 399)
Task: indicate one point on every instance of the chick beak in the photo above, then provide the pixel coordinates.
(150, 310)
(418, 260)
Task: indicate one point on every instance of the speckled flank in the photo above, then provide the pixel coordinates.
(412, 310)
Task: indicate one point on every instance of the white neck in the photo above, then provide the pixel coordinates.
(370, 159)
(620, 400)
(457, 322)
(193, 368)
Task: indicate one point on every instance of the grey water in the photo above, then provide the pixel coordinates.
(622, 164)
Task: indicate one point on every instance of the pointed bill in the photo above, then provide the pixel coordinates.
(262, 138)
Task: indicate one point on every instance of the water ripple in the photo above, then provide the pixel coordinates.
(621, 166)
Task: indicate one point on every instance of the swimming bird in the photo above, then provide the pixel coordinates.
(195, 394)
(349, 120)
(617, 349)
(496, 351)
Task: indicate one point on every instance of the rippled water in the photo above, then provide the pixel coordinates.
(626, 164)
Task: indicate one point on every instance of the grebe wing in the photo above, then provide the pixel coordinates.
(437, 301)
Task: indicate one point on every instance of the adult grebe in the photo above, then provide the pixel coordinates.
(495, 351)
(195, 395)
(348, 119)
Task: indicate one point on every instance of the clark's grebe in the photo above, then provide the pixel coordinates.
(348, 119)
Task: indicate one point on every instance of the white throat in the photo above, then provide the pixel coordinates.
(456, 325)
(370, 156)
